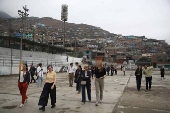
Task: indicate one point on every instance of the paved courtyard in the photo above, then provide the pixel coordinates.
(120, 96)
(68, 101)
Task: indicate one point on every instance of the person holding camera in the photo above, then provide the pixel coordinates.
(49, 88)
(39, 75)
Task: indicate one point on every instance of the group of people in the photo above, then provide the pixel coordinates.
(82, 78)
(49, 84)
(112, 69)
(38, 71)
(147, 71)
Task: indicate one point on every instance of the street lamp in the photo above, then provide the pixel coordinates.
(23, 15)
(64, 14)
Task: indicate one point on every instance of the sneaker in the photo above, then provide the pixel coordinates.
(26, 100)
(97, 104)
(53, 106)
(42, 108)
(100, 101)
(21, 105)
(83, 103)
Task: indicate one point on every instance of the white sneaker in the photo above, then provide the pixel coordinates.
(97, 104)
(21, 105)
(26, 100)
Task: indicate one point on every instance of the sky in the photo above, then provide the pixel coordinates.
(150, 18)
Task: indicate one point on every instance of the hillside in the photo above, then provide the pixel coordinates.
(4, 15)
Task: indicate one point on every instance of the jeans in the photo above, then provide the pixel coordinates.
(138, 82)
(148, 80)
(88, 86)
(39, 81)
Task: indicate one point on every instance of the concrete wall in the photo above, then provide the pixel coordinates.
(15, 70)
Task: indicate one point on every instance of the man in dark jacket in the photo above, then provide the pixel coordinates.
(32, 72)
(112, 70)
(108, 70)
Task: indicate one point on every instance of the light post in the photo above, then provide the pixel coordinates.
(23, 15)
(64, 14)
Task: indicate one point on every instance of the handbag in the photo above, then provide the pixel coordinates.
(75, 80)
(83, 82)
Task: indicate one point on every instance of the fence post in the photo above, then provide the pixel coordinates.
(3, 61)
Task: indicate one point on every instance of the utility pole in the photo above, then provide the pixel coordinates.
(23, 15)
(64, 14)
(11, 44)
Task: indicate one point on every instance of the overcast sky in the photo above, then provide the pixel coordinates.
(127, 17)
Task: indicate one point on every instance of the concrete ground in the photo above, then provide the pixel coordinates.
(68, 101)
(155, 101)
(120, 96)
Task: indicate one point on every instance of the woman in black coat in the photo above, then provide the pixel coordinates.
(138, 74)
(162, 70)
(77, 79)
(86, 84)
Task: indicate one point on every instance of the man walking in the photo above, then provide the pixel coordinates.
(147, 71)
(124, 69)
(71, 71)
(32, 72)
(108, 70)
(112, 70)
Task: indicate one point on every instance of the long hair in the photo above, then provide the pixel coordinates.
(80, 67)
(26, 67)
(100, 66)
